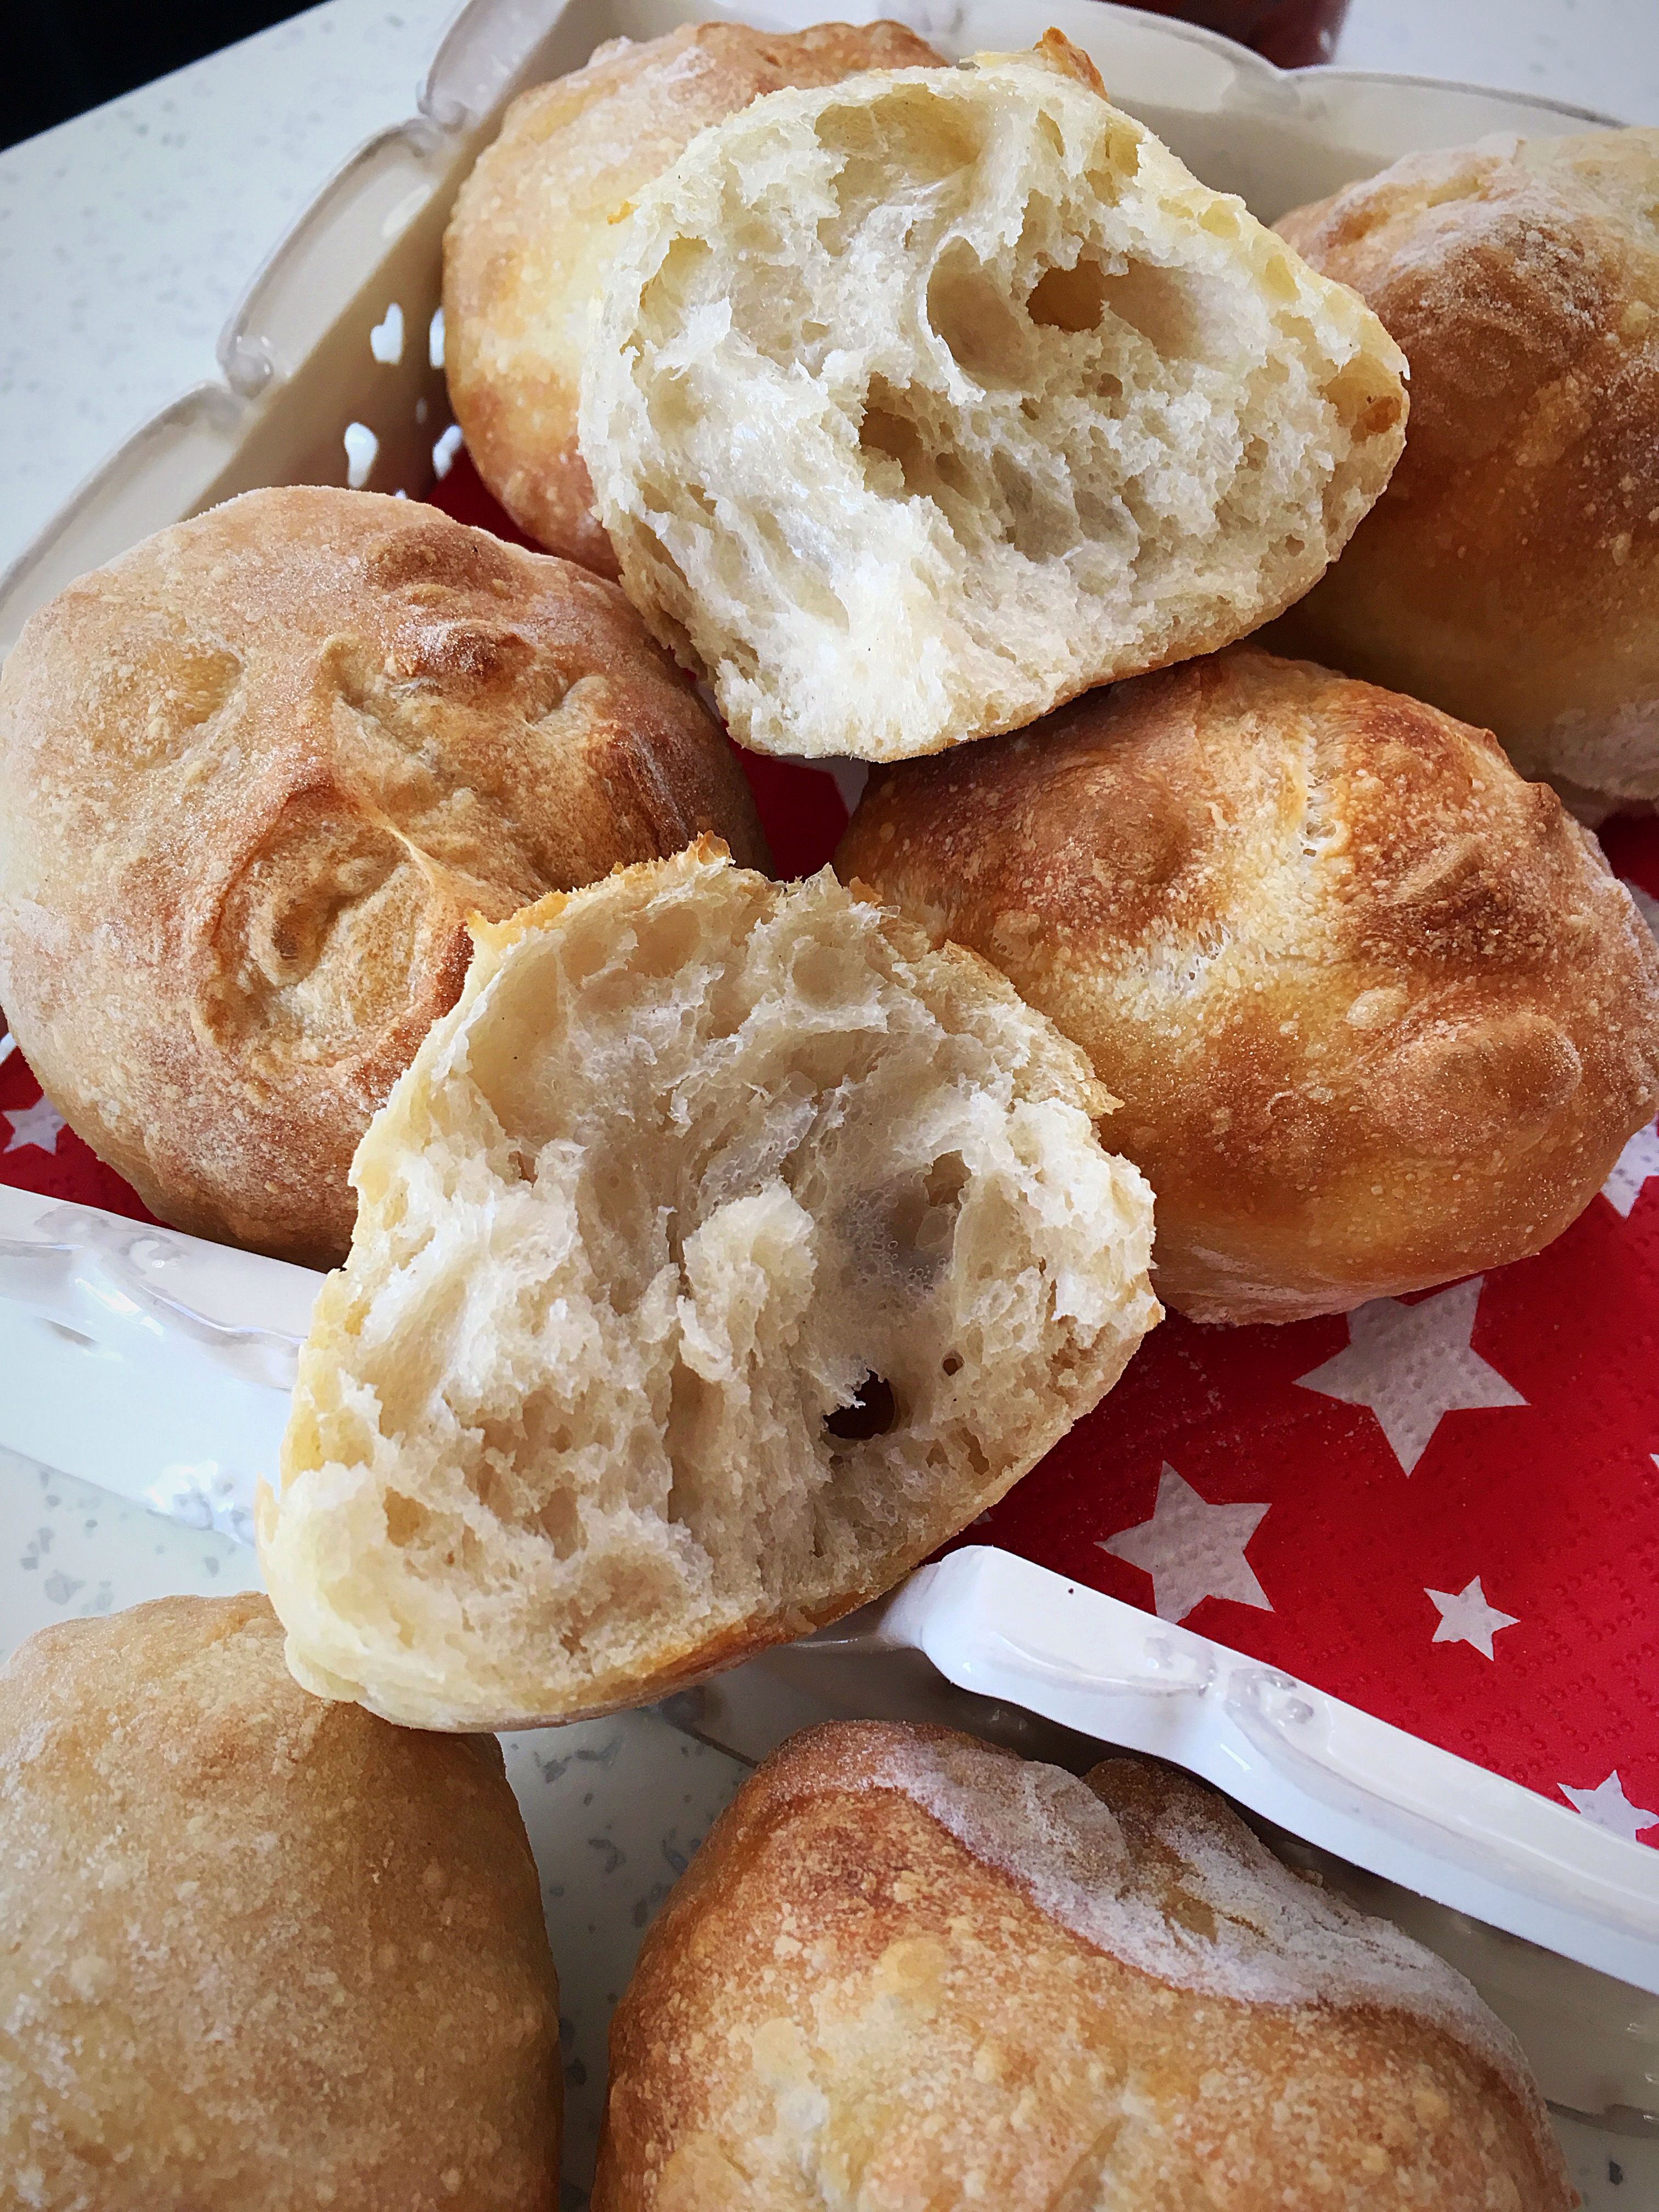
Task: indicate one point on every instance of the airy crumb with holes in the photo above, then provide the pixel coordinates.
(725, 1250)
(917, 405)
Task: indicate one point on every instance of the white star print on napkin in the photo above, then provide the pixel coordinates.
(37, 1125)
(1609, 1807)
(1467, 1618)
(1412, 1366)
(1639, 1160)
(1192, 1549)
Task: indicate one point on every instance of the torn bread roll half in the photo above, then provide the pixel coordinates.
(918, 405)
(725, 1250)
(909, 1969)
(537, 221)
(1379, 1012)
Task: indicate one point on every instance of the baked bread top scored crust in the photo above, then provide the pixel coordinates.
(919, 404)
(1378, 1011)
(536, 221)
(724, 1252)
(1511, 572)
(261, 1952)
(906, 1968)
(253, 777)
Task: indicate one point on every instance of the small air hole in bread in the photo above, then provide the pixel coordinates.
(873, 1413)
(1069, 299)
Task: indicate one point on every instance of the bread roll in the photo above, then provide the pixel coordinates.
(260, 1952)
(907, 1970)
(725, 1251)
(1511, 572)
(917, 405)
(537, 221)
(1379, 1012)
(253, 776)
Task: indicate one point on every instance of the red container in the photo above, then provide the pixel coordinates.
(1292, 33)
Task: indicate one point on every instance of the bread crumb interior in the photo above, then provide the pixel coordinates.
(977, 399)
(721, 1254)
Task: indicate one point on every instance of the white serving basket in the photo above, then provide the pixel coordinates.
(143, 1359)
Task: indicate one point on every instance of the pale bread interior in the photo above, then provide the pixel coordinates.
(917, 405)
(590, 1409)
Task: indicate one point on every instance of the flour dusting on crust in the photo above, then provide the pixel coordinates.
(1111, 1876)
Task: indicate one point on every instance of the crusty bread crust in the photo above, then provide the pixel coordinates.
(906, 1969)
(536, 220)
(1511, 572)
(1379, 1012)
(725, 1250)
(919, 404)
(253, 777)
(260, 1952)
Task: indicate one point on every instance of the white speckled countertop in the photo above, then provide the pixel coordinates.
(125, 237)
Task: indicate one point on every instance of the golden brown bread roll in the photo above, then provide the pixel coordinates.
(253, 776)
(725, 1250)
(537, 221)
(1511, 571)
(260, 1952)
(908, 1970)
(1378, 1011)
